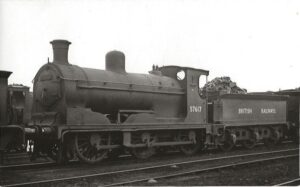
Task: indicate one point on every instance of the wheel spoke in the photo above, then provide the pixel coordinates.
(83, 144)
(88, 147)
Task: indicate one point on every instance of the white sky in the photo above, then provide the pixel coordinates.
(255, 42)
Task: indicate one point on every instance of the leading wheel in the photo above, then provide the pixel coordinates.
(89, 146)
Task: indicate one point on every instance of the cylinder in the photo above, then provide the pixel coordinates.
(60, 51)
(3, 95)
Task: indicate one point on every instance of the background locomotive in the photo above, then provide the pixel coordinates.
(15, 113)
(93, 113)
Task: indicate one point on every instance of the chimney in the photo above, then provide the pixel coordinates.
(60, 51)
(3, 96)
(115, 61)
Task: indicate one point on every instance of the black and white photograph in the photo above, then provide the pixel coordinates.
(149, 93)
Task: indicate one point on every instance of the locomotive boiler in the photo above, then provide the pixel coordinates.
(63, 88)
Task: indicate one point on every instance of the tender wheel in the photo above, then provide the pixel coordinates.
(88, 146)
(227, 145)
(273, 140)
(144, 152)
(192, 148)
(250, 143)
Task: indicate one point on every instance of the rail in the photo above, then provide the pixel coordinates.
(114, 174)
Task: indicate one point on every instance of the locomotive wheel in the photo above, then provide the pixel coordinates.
(192, 148)
(273, 140)
(228, 143)
(144, 152)
(88, 146)
(250, 143)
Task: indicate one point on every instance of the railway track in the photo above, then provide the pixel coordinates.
(169, 175)
(161, 171)
(7, 158)
(20, 159)
(160, 178)
(27, 166)
(294, 182)
(47, 162)
(44, 164)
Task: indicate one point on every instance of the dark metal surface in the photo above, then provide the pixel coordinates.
(58, 87)
(256, 109)
(15, 102)
(3, 95)
(105, 92)
(19, 104)
(293, 114)
(255, 96)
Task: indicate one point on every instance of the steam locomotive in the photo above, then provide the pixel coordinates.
(15, 112)
(92, 114)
